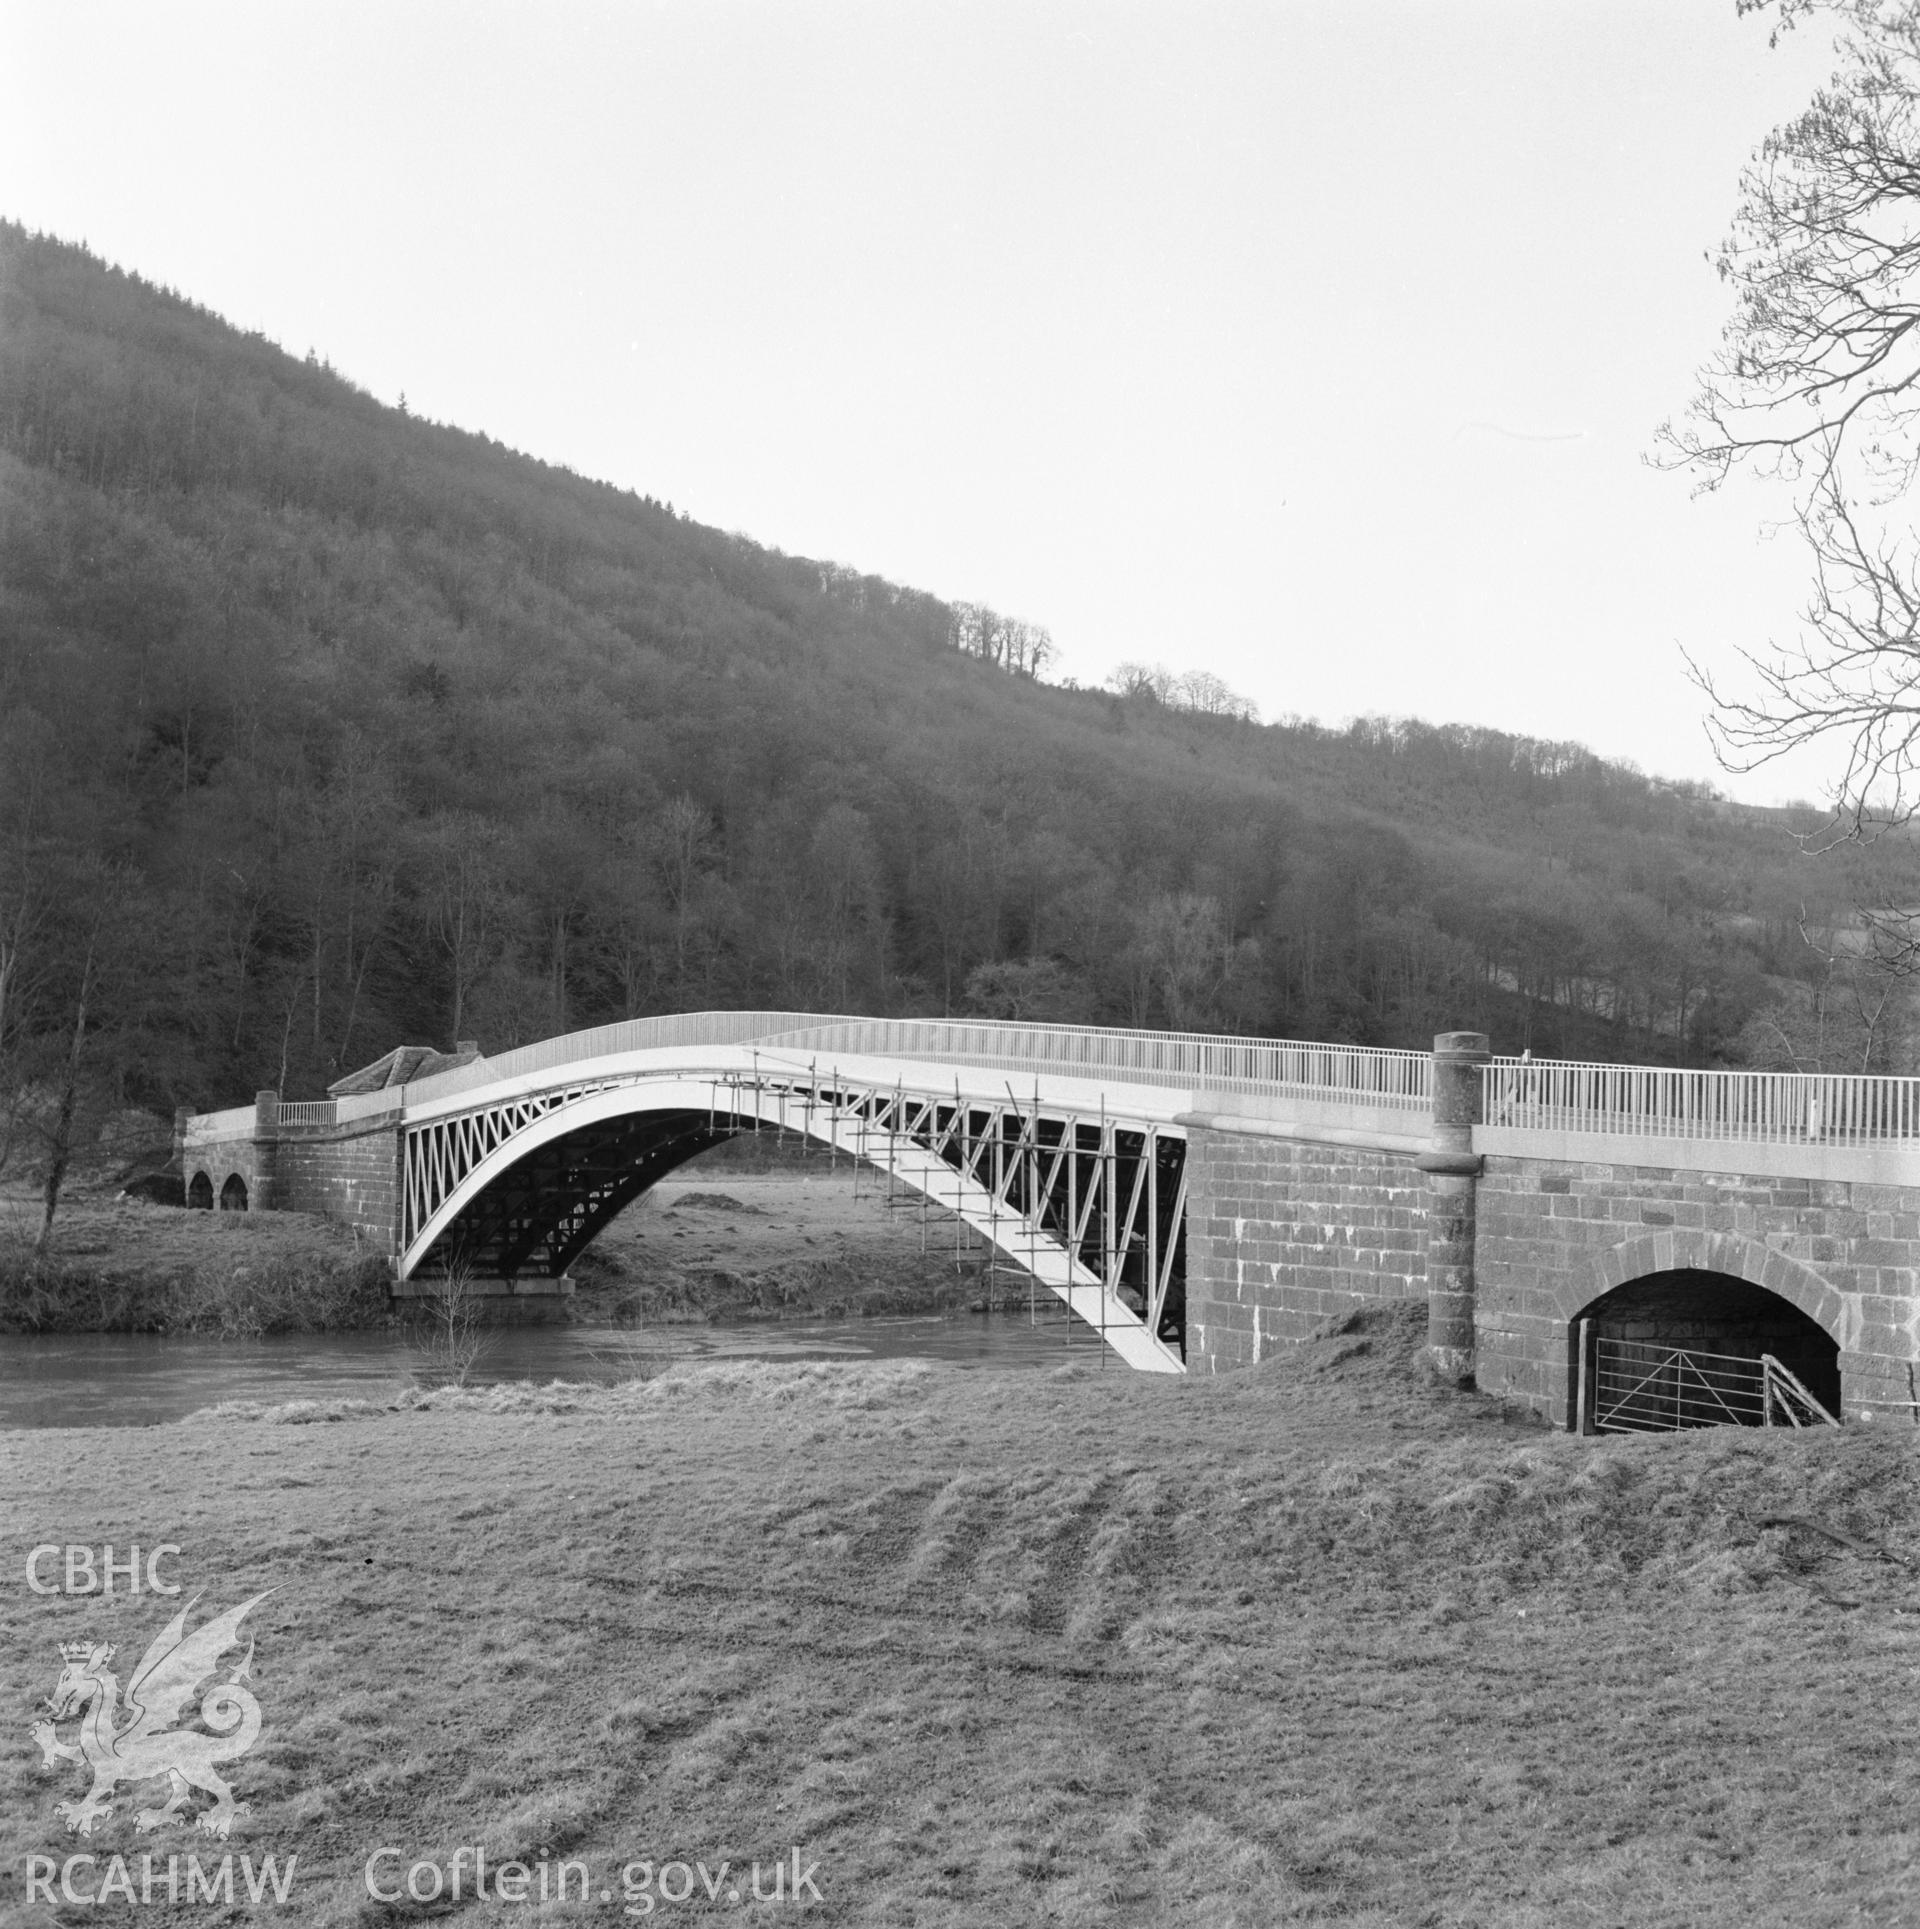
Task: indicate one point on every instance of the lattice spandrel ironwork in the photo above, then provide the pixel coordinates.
(1093, 1206)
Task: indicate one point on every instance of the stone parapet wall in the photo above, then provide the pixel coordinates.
(221, 1159)
(349, 1172)
(1284, 1233)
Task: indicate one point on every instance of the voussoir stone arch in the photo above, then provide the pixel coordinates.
(1682, 1247)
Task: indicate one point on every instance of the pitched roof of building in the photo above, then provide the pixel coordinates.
(402, 1066)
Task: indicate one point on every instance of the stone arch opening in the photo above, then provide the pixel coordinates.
(200, 1192)
(1714, 1314)
(233, 1195)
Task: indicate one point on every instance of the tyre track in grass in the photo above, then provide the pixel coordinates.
(894, 1522)
(1064, 1566)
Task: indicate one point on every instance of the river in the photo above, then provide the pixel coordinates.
(142, 1380)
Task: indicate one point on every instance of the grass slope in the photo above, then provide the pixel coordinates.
(120, 1266)
(1316, 1643)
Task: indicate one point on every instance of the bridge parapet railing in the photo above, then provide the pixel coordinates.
(674, 1029)
(237, 1122)
(1650, 1101)
(1195, 1061)
(1395, 1081)
(367, 1105)
(340, 1111)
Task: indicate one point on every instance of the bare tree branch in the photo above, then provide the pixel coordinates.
(1816, 386)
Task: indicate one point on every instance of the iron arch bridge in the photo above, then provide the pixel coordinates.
(1064, 1147)
(1090, 1200)
(1068, 1162)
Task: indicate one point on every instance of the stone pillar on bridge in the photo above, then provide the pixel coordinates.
(266, 1128)
(1452, 1166)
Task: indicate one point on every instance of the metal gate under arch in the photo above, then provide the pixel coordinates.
(1647, 1386)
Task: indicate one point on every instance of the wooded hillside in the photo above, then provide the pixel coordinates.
(325, 728)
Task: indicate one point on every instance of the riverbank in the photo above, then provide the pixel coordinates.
(126, 1266)
(825, 1243)
(1316, 1643)
(790, 1242)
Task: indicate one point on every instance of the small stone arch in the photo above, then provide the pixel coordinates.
(1683, 1250)
(1673, 1289)
(200, 1192)
(233, 1195)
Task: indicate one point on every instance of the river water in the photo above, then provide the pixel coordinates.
(139, 1380)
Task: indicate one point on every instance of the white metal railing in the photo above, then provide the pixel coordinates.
(367, 1105)
(1546, 1095)
(1194, 1060)
(1197, 1061)
(1655, 1101)
(680, 1028)
(1190, 1060)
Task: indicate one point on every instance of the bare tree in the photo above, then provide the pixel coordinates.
(683, 846)
(463, 902)
(102, 950)
(1855, 1015)
(1030, 648)
(61, 1127)
(1197, 691)
(1014, 644)
(30, 864)
(22, 913)
(1206, 695)
(1816, 387)
(1183, 947)
(452, 1339)
(1153, 680)
(844, 878)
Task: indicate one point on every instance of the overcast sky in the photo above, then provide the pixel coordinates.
(1315, 344)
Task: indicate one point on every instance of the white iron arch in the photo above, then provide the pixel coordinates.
(905, 1159)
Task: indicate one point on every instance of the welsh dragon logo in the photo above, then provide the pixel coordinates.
(133, 1741)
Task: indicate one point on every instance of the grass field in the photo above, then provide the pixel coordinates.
(1316, 1643)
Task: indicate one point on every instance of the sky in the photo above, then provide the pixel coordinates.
(1318, 345)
